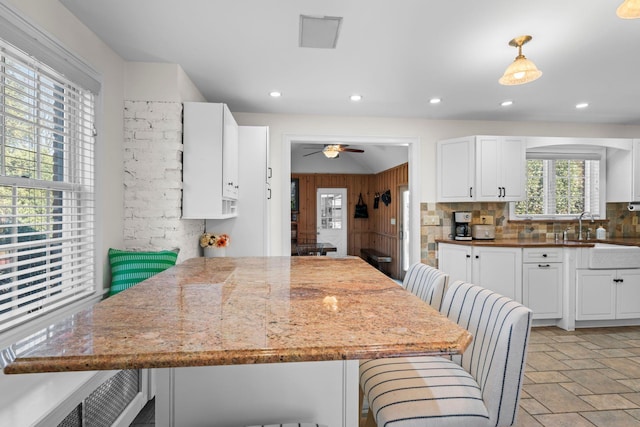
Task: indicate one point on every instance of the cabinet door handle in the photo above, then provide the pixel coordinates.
(470, 191)
(468, 256)
(270, 172)
(618, 280)
(544, 255)
(477, 256)
(544, 265)
(269, 196)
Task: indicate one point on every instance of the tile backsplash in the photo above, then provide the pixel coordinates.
(620, 222)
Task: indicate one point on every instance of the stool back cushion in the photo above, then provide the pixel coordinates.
(427, 283)
(496, 356)
(131, 267)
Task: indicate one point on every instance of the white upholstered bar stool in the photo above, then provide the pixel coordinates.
(290, 425)
(482, 389)
(427, 283)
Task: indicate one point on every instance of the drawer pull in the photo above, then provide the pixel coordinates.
(544, 265)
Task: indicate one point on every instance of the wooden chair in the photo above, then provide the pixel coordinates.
(480, 388)
(427, 283)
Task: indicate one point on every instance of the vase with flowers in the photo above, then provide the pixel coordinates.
(214, 244)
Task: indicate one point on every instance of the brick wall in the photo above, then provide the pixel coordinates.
(153, 180)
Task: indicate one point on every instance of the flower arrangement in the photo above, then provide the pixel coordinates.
(209, 240)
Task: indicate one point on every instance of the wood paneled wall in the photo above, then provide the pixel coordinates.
(376, 231)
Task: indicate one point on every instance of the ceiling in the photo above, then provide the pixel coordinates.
(396, 54)
(375, 159)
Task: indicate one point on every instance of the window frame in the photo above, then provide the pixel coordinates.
(27, 37)
(579, 150)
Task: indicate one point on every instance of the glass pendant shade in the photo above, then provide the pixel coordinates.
(519, 72)
(521, 69)
(629, 9)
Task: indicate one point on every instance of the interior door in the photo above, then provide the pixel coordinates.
(331, 219)
(404, 231)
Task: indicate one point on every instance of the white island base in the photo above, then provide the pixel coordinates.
(241, 395)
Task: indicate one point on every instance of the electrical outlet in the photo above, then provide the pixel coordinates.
(634, 220)
(431, 220)
(393, 221)
(486, 219)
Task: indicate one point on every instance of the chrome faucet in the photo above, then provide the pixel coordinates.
(580, 223)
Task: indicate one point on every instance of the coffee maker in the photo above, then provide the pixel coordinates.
(461, 226)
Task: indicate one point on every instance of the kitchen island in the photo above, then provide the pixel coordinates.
(221, 328)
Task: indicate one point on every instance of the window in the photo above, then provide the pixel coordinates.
(46, 189)
(561, 185)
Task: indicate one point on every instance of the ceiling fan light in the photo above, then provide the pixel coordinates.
(331, 151)
(629, 9)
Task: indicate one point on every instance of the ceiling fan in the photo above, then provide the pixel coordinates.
(332, 151)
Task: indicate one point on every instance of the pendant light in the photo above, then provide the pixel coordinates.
(521, 69)
(629, 9)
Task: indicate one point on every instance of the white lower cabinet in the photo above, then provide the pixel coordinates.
(455, 260)
(542, 282)
(495, 268)
(499, 269)
(607, 294)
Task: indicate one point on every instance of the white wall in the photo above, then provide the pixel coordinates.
(428, 131)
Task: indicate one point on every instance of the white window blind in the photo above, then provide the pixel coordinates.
(46, 189)
(561, 185)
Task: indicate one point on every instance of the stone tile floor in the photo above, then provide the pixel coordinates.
(588, 377)
(584, 378)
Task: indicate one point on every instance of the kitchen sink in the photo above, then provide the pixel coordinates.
(607, 255)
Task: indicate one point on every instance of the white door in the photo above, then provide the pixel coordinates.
(404, 231)
(331, 219)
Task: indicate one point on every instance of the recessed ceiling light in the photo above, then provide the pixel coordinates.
(435, 101)
(582, 105)
(356, 97)
(275, 94)
(506, 103)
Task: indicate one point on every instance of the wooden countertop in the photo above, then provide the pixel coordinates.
(527, 243)
(223, 311)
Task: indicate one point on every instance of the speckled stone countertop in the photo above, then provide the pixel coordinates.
(223, 311)
(528, 243)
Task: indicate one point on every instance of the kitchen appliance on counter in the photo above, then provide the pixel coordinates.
(461, 227)
(483, 231)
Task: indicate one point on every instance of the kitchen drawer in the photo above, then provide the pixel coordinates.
(542, 254)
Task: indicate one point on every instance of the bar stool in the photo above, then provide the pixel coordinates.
(290, 425)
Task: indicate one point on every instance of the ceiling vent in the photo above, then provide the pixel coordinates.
(319, 31)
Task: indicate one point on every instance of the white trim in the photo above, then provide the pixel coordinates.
(28, 37)
(414, 180)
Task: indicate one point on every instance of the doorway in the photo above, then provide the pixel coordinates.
(413, 144)
(331, 222)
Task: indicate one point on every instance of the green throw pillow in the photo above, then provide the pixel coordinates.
(129, 267)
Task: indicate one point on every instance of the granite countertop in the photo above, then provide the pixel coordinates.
(223, 311)
(528, 243)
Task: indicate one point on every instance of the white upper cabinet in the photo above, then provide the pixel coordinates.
(623, 173)
(209, 161)
(482, 168)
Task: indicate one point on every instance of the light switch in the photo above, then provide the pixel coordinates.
(393, 221)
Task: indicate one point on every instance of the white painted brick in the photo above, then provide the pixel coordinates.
(153, 180)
